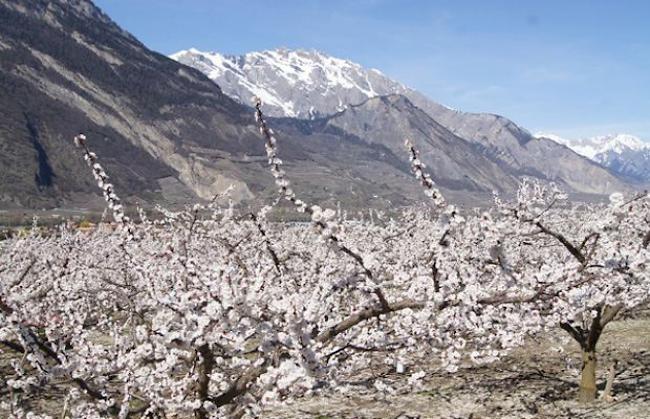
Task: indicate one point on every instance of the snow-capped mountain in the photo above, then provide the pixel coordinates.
(293, 83)
(624, 154)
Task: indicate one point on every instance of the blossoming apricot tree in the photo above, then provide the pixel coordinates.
(207, 313)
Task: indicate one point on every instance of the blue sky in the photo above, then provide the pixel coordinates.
(574, 67)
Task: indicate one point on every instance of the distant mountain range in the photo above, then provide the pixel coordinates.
(310, 84)
(625, 155)
(167, 133)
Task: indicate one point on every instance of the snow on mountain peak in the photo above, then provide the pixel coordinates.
(296, 83)
(620, 142)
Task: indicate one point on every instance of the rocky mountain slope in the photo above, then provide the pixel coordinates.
(624, 154)
(66, 67)
(307, 84)
(452, 161)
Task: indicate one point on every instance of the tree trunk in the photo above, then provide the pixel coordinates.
(587, 338)
(588, 378)
(205, 369)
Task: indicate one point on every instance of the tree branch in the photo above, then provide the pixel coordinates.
(240, 386)
(609, 313)
(364, 315)
(575, 334)
(566, 243)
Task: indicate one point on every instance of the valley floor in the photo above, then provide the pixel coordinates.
(535, 382)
